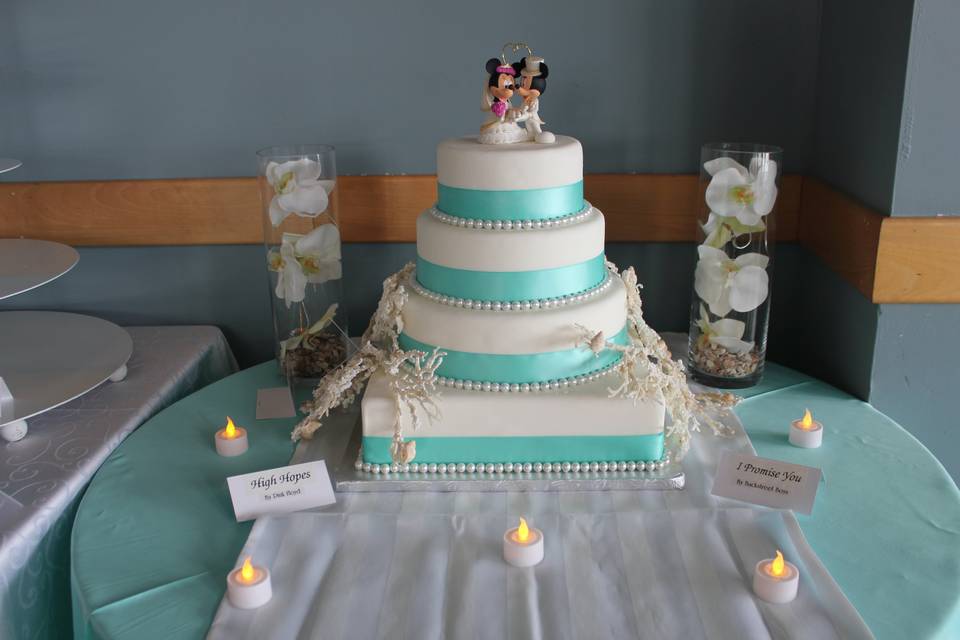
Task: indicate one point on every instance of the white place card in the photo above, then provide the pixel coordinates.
(281, 490)
(275, 402)
(771, 483)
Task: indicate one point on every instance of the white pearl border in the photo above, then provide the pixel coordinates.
(513, 225)
(507, 468)
(525, 387)
(519, 305)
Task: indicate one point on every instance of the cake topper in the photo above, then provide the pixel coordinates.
(528, 78)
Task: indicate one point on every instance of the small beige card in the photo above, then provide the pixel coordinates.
(771, 483)
(275, 402)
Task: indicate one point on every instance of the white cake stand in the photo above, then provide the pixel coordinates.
(8, 164)
(48, 358)
(28, 264)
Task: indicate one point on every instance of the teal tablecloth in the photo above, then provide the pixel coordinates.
(155, 536)
(43, 476)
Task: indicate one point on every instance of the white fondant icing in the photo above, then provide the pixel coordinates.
(576, 411)
(524, 250)
(539, 331)
(467, 164)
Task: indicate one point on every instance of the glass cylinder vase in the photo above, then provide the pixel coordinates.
(301, 235)
(729, 315)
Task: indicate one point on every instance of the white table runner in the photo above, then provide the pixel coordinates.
(619, 564)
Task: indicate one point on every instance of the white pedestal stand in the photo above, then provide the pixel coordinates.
(48, 358)
(12, 431)
(28, 264)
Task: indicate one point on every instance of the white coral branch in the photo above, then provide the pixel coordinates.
(411, 375)
(647, 369)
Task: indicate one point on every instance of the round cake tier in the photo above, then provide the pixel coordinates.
(518, 346)
(527, 263)
(522, 181)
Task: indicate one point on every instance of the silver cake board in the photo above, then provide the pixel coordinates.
(350, 479)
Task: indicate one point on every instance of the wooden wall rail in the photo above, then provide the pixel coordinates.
(842, 232)
(887, 259)
(890, 260)
(918, 260)
(641, 208)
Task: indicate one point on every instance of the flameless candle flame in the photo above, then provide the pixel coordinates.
(230, 431)
(776, 568)
(523, 531)
(807, 422)
(246, 571)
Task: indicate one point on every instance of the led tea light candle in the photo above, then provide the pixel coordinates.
(806, 432)
(776, 580)
(249, 586)
(523, 546)
(231, 440)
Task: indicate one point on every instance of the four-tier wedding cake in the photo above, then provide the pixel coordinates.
(512, 344)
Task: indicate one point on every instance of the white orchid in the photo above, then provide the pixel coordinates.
(298, 189)
(725, 332)
(312, 258)
(737, 192)
(724, 283)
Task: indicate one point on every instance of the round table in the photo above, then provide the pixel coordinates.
(155, 535)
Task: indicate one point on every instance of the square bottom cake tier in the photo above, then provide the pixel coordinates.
(578, 424)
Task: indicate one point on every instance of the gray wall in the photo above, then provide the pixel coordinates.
(916, 375)
(108, 89)
(862, 65)
(926, 183)
(886, 134)
(863, 45)
(916, 372)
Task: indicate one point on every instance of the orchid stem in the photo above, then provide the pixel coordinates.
(304, 317)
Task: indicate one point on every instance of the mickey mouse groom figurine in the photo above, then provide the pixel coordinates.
(533, 73)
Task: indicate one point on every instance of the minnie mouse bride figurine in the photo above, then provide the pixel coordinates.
(500, 127)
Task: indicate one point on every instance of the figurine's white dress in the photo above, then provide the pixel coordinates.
(498, 130)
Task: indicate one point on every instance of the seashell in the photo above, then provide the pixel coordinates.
(408, 451)
(403, 452)
(598, 343)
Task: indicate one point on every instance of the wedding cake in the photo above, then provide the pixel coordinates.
(512, 344)
(510, 270)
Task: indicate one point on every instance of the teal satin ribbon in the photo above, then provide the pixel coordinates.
(520, 368)
(376, 449)
(520, 204)
(510, 286)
